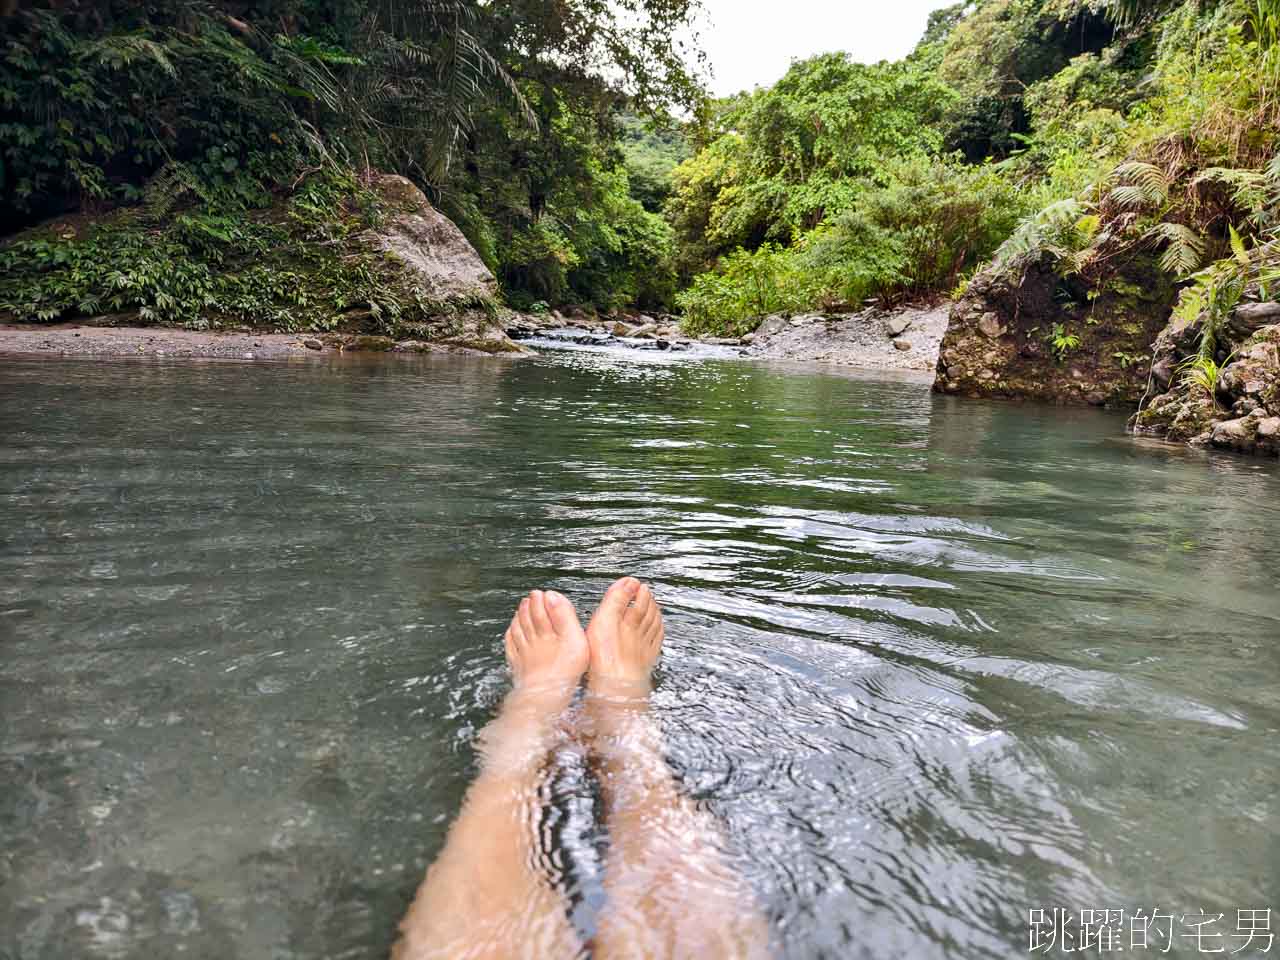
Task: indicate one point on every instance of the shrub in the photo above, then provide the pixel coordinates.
(744, 288)
(917, 233)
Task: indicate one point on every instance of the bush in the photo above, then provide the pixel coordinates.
(747, 286)
(917, 233)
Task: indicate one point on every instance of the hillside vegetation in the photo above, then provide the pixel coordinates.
(1106, 139)
(151, 139)
(1104, 147)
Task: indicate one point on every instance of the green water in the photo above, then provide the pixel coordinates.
(934, 663)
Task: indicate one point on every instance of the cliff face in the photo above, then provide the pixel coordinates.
(1032, 335)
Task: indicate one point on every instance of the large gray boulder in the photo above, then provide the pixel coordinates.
(439, 265)
(430, 246)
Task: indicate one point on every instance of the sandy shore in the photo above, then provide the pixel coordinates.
(75, 340)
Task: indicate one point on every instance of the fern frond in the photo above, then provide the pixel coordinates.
(1129, 197)
(1153, 182)
(1052, 230)
(120, 51)
(1184, 248)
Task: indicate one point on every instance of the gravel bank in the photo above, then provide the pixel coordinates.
(905, 339)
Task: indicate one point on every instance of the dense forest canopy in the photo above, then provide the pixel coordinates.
(1106, 138)
(505, 113)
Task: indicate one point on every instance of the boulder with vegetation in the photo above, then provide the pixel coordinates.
(337, 254)
(1026, 331)
(1216, 376)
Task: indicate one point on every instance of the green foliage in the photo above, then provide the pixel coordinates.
(915, 232)
(745, 288)
(1203, 373)
(1126, 360)
(201, 269)
(210, 108)
(1063, 342)
(1216, 290)
(996, 55)
(651, 155)
(1061, 230)
(786, 158)
(911, 232)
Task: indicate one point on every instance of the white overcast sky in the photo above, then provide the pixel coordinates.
(751, 43)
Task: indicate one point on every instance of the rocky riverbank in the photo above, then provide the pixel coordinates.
(373, 270)
(1027, 334)
(1233, 403)
(901, 339)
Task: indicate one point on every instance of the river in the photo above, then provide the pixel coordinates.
(935, 664)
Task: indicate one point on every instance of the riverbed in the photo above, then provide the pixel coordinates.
(933, 663)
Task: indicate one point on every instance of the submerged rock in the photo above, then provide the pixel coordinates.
(1235, 434)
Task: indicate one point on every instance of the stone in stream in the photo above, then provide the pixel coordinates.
(1235, 434)
(902, 345)
(897, 326)
(311, 343)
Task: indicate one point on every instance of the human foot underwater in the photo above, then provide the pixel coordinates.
(494, 893)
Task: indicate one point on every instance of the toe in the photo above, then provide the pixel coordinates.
(524, 617)
(564, 619)
(643, 604)
(538, 612)
(616, 598)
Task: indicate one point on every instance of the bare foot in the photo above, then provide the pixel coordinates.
(625, 637)
(546, 646)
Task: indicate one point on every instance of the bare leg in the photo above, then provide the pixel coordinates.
(489, 895)
(671, 891)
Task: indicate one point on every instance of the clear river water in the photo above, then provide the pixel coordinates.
(935, 664)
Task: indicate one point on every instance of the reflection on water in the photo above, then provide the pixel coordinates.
(932, 663)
